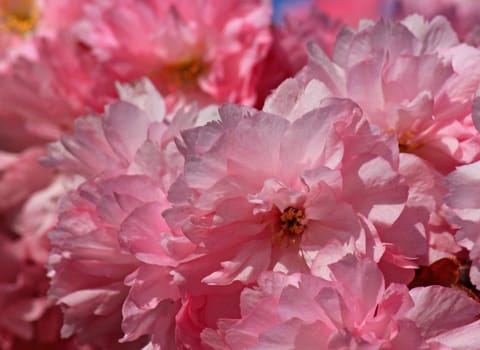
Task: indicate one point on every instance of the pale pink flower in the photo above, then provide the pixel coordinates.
(154, 297)
(85, 241)
(208, 50)
(135, 136)
(429, 236)
(262, 193)
(350, 310)
(113, 221)
(426, 201)
(412, 79)
(463, 201)
(464, 15)
(87, 264)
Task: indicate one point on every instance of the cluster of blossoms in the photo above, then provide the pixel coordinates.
(179, 174)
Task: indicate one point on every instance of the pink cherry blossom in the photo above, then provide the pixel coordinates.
(23, 22)
(88, 267)
(41, 97)
(172, 225)
(208, 50)
(412, 79)
(85, 241)
(462, 200)
(113, 221)
(154, 298)
(426, 201)
(430, 237)
(351, 310)
(262, 193)
(68, 57)
(462, 14)
(47, 77)
(134, 136)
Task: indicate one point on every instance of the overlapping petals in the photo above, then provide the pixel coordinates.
(412, 79)
(261, 193)
(209, 51)
(351, 310)
(342, 213)
(463, 15)
(464, 212)
(111, 230)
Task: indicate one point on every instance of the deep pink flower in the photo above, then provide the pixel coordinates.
(288, 53)
(208, 50)
(412, 79)
(22, 22)
(41, 97)
(29, 319)
(351, 310)
(69, 56)
(203, 311)
(22, 291)
(47, 77)
(20, 177)
(351, 12)
(262, 193)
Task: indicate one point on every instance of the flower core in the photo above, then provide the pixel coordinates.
(18, 16)
(183, 73)
(291, 227)
(405, 140)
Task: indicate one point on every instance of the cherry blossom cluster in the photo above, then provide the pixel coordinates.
(179, 174)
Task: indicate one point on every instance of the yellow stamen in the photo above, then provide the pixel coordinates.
(405, 141)
(182, 74)
(18, 16)
(291, 227)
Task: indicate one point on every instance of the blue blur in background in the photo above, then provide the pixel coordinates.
(387, 9)
(280, 7)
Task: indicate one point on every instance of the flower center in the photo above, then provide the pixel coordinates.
(291, 227)
(406, 144)
(182, 74)
(18, 16)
